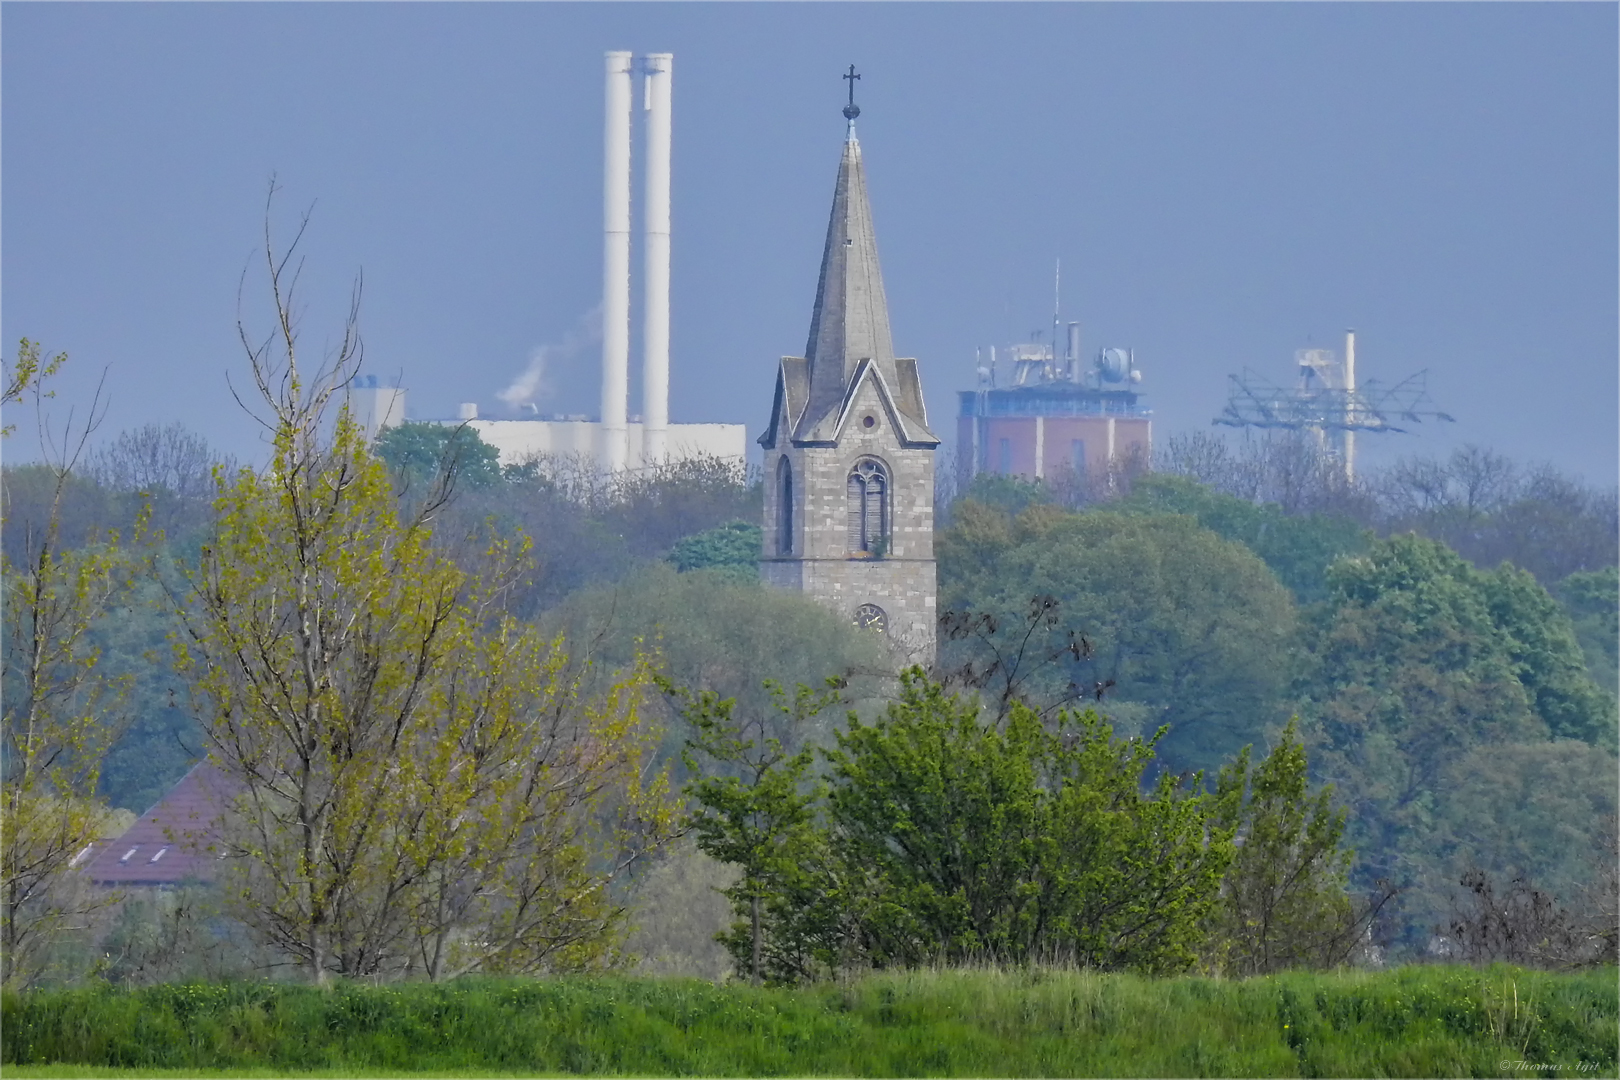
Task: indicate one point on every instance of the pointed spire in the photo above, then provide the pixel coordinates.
(851, 319)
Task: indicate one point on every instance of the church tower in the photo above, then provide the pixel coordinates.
(849, 459)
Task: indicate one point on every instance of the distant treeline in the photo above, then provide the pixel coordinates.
(1445, 632)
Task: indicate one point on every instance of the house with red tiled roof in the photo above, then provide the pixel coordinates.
(169, 843)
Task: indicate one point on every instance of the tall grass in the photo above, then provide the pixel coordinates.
(1408, 1022)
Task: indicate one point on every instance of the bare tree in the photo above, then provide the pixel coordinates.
(169, 457)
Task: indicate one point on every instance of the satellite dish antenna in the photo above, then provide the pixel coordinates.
(1114, 365)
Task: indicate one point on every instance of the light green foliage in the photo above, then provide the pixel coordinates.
(424, 781)
(979, 842)
(732, 548)
(1297, 547)
(423, 784)
(61, 710)
(759, 814)
(1191, 626)
(420, 454)
(1592, 599)
(26, 375)
(1283, 901)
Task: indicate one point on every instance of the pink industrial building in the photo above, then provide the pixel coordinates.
(1035, 416)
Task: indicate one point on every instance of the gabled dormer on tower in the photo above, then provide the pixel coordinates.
(849, 463)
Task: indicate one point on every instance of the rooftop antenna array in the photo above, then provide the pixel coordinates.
(1327, 401)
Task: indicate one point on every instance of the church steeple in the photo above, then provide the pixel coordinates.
(850, 322)
(849, 459)
(849, 327)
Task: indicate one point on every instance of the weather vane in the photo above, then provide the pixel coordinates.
(852, 110)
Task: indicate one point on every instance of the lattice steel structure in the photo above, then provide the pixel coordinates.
(1327, 401)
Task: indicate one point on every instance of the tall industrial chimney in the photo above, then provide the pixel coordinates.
(658, 72)
(616, 265)
(1350, 404)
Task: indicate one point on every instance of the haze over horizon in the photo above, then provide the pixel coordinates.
(1224, 184)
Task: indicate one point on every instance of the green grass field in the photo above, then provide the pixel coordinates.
(1423, 1021)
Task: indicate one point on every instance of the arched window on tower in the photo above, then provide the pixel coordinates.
(784, 507)
(869, 506)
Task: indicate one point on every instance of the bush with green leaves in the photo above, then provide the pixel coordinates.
(938, 834)
(1017, 842)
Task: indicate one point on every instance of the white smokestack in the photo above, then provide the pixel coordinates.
(655, 333)
(616, 265)
(1350, 404)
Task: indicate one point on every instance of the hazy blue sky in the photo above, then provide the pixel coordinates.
(1224, 184)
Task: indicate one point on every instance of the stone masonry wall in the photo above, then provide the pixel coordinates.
(903, 582)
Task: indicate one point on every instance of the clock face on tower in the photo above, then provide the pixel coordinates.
(872, 617)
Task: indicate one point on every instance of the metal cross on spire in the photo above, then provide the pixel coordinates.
(852, 110)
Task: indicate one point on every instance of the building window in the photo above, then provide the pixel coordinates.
(1006, 457)
(784, 507)
(1077, 454)
(869, 506)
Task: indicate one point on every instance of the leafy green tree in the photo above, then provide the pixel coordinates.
(1419, 662)
(1284, 900)
(1012, 495)
(1298, 548)
(759, 815)
(1542, 643)
(420, 454)
(573, 549)
(82, 509)
(1016, 843)
(1592, 599)
(733, 548)
(162, 739)
(1191, 629)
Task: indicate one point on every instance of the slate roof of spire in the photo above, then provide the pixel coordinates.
(849, 329)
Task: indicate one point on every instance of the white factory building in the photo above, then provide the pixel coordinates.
(376, 407)
(616, 440)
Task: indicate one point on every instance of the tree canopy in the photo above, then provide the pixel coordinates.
(1193, 630)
